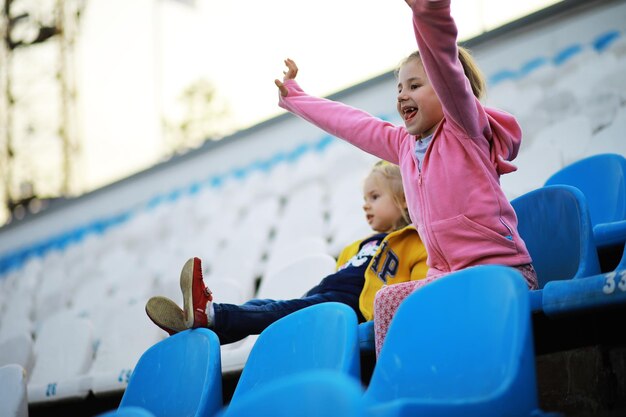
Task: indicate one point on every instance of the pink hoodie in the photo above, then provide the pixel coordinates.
(455, 199)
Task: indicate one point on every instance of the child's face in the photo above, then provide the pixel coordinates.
(381, 212)
(418, 103)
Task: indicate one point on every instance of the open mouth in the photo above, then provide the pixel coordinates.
(409, 113)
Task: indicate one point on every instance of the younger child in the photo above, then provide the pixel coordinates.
(451, 151)
(393, 254)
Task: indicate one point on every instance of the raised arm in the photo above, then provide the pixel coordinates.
(369, 133)
(436, 35)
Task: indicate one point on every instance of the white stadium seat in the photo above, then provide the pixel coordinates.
(291, 281)
(13, 395)
(18, 349)
(125, 334)
(64, 348)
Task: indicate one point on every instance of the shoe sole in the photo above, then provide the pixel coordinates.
(186, 286)
(166, 314)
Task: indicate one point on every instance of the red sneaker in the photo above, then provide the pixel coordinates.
(166, 314)
(196, 295)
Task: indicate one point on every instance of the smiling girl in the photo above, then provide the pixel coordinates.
(451, 151)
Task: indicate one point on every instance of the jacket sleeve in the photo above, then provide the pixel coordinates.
(436, 35)
(371, 134)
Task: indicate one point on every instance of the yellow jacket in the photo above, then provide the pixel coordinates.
(400, 257)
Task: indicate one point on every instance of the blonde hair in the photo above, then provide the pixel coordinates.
(470, 68)
(392, 182)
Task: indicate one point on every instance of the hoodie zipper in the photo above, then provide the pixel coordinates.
(510, 236)
(426, 216)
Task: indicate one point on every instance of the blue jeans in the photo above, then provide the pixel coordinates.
(234, 322)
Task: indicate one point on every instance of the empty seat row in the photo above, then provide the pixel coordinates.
(559, 145)
(316, 349)
(70, 358)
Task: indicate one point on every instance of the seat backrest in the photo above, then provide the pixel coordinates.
(295, 278)
(13, 395)
(250, 236)
(611, 138)
(463, 339)
(123, 337)
(64, 348)
(602, 179)
(309, 394)
(555, 225)
(282, 255)
(16, 314)
(292, 280)
(229, 290)
(179, 376)
(322, 336)
(303, 214)
(18, 349)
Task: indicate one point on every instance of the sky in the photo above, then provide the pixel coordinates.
(133, 59)
(240, 46)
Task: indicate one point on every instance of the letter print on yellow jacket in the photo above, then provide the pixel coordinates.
(401, 257)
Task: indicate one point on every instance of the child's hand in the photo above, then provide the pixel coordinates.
(290, 74)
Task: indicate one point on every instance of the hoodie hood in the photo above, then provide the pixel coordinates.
(506, 140)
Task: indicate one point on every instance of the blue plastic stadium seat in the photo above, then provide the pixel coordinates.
(602, 179)
(555, 224)
(127, 412)
(584, 294)
(319, 337)
(180, 375)
(462, 345)
(308, 394)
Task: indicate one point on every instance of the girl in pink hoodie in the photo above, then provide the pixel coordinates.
(451, 151)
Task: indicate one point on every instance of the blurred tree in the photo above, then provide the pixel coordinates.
(205, 117)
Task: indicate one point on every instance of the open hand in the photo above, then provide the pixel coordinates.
(290, 74)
